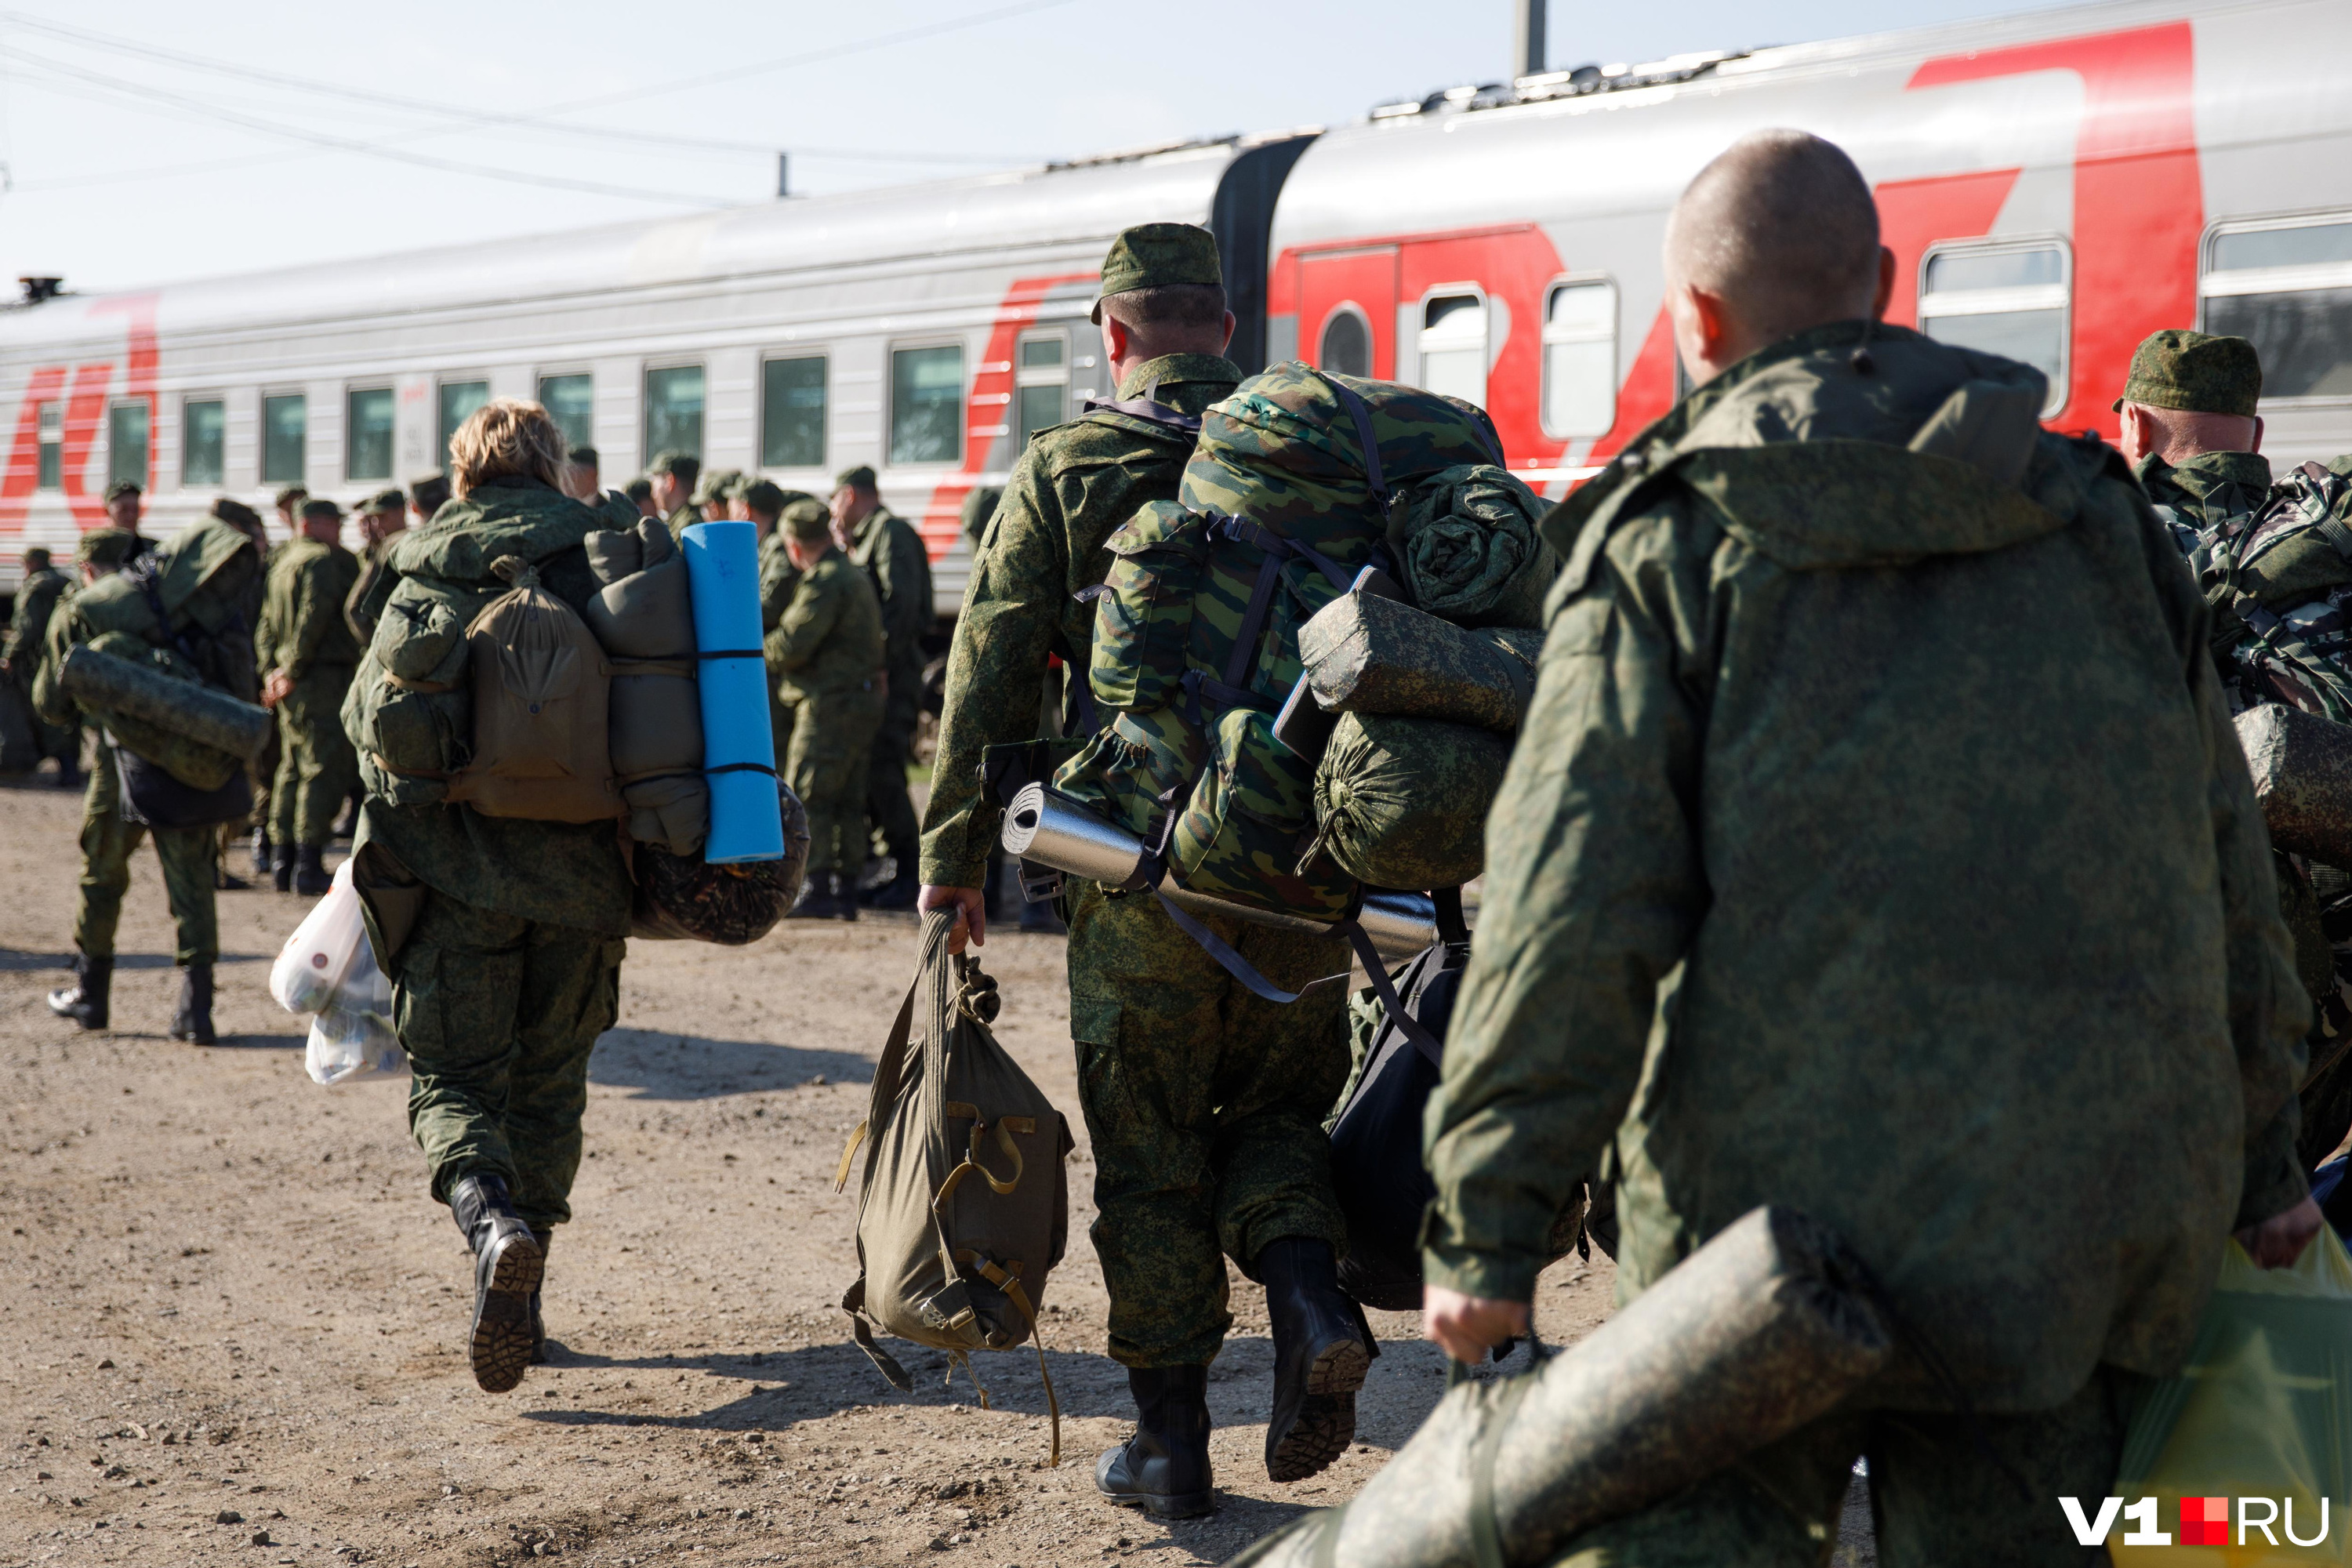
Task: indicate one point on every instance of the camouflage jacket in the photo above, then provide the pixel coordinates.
(28, 626)
(302, 621)
(561, 873)
(829, 638)
(1073, 487)
(1808, 884)
(2210, 494)
(892, 554)
(2279, 582)
(355, 605)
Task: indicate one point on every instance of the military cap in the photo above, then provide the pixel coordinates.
(679, 465)
(37, 557)
(107, 547)
(979, 505)
(1156, 255)
(235, 513)
(2194, 372)
(859, 478)
(290, 496)
(764, 497)
(585, 457)
(428, 493)
(808, 520)
(386, 500)
(638, 488)
(121, 488)
(716, 485)
(320, 505)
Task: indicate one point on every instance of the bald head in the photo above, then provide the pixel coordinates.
(1779, 234)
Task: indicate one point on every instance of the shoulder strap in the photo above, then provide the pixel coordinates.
(1452, 929)
(1150, 409)
(1373, 479)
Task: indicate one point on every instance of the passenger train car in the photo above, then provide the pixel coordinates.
(2054, 186)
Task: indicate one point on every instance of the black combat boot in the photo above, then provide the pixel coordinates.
(507, 1264)
(1321, 1355)
(193, 1019)
(310, 875)
(263, 864)
(226, 880)
(85, 1000)
(1165, 1467)
(281, 868)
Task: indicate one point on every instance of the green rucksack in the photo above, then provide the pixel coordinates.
(2281, 589)
(1284, 505)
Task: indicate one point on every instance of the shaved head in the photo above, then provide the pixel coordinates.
(1780, 228)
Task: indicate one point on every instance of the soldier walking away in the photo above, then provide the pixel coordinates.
(37, 598)
(307, 653)
(892, 554)
(673, 475)
(503, 935)
(188, 599)
(2191, 433)
(1204, 1102)
(825, 656)
(1793, 744)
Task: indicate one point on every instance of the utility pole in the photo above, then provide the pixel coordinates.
(783, 169)
(1529, 37)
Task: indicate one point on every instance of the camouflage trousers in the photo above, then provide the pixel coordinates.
(1936, 1498)
(498, 1015)
(890, 810)
(317, 768)
(109, 839)
(824, 761)
(1205, 1105)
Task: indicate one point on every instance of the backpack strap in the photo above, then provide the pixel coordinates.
(1373, 479)
(1452, 929)
(1150, 409)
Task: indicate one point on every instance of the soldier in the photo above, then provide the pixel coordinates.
(37, 598)
(427, 494)
(581, 481)
(761, 502)
(307, 653)
(198, 586)
(2191, 433)
(1205, 1104)
(825, 655)
(892, 554)
(714, 491)
(247, 521)
(288, 503)
(382, 518)
(1793, 744)
(673, 475)
(123, 503)
(505, 934)
(639, 493)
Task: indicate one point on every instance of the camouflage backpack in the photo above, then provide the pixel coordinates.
(2280, 585)
(1285, 503)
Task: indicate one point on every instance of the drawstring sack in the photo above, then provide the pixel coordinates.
(542, 692)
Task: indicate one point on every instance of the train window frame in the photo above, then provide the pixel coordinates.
(538, 380)
(1027, 378)
(1546, 337)
(2012, 300)
(352, 394)
(1363, 321)
(823, 358)
(443, 427)
(49, 444)
(962, 402)
(300, 473)
(1466, 290)
(115, 470)
(645, 404)
(2239, 283)
(189, 478)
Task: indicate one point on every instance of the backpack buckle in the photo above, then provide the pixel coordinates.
(1039, 883)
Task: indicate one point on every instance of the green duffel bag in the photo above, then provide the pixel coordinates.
(1403, 802)
(1466, 549)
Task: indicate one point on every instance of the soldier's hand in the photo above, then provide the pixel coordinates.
(2279, 1240)
(970, 906)
(274, 689)
(1466, 1327)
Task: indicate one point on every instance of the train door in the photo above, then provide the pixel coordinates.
(1348, 310)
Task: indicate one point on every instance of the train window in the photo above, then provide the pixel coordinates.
(2008, 300)
(927, 404)
(50, 421)
(1579, 358)
(126, 443)
(204, 441)
(791, 412)
(571, 402)
(284, 436)
(367, 440)
(2288, 288)
(1346, 346)
(1454, 346)
(1042, 390)
(459, 399)
(674, 410)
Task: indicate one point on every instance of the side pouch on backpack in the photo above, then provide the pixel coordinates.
(410, 709)
(542, 693)
(1125, 768)
(1143, 611)
(1248, 822)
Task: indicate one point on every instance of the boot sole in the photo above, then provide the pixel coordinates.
(1186, 1505)
(501, 1345)
(1326, 1415)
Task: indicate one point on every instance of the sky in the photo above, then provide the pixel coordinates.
(149, 140)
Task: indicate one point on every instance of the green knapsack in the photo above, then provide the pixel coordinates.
(1286, 502)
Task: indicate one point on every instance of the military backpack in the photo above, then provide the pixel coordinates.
(2280, 585)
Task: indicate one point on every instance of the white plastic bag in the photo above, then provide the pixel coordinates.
(311, 966)
(327, 968)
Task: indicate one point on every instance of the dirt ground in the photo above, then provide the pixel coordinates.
(180, 1221)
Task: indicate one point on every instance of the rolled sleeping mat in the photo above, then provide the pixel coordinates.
(739, 746)
(2301, 765)
(1051, 829)
(1766, 1327)
(107, 683)
(1366, 654)
(644, 617)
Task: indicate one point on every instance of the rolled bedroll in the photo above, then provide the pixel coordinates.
(2301, 765)
(1365, 653)
(107, 683)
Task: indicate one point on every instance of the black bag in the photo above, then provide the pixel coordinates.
(152, 796)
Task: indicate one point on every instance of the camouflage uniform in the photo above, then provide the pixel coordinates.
(1204, 1103)
(504, 936)
(1932, 988)
(892, 554)
(36, 600)
(823, 653)
(305, 636)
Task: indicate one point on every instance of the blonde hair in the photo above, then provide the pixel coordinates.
(506, 436)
